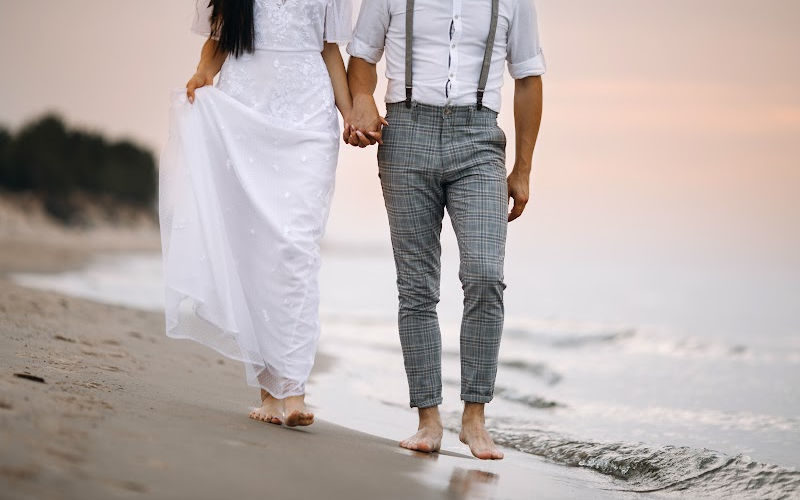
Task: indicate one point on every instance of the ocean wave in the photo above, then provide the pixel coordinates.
(645, 340)
(568, 335)
(717, 419)
(529, 400)
(537, 369)
(644, 468)
(515, 396)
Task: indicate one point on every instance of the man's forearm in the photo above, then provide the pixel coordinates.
(365, 121)
(527, 118)
(362, 77)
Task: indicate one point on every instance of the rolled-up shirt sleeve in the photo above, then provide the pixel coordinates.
(369, 36)
(525, 56)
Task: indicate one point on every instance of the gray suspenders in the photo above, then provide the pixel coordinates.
(409, 55)
(487, 55)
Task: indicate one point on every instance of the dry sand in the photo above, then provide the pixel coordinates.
(108, 407)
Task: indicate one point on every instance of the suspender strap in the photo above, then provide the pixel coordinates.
(409, 55)
(487, 56)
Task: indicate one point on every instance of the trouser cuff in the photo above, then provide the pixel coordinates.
(427, 403)
(472, 398)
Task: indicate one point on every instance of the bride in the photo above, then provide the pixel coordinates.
(246, 181)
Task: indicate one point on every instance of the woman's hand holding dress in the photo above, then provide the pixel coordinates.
(197, 81)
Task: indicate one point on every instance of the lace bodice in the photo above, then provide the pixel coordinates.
(291, 25)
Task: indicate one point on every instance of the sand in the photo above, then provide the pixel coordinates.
(125, 410)
(96, 402)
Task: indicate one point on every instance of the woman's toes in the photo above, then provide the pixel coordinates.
(298, 417)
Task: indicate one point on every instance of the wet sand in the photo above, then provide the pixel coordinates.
(96, 402)
(123, 409)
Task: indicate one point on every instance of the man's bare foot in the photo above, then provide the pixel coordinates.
(271, 409)
(296, 413)
(474, 434)
(428, 438)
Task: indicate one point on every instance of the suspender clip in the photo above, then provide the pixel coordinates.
(408, 97)
(480, 100)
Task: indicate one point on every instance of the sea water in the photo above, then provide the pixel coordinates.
(677, 403)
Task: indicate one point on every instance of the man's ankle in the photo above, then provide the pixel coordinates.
(473, 412)
(429, 416)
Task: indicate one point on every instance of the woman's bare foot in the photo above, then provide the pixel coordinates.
(474, 434)
(296, 413)
(428, 438)
(271, 409)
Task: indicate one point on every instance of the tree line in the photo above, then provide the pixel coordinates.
(56, 162)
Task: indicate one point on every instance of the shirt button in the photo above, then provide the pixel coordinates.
(456, 16)
(453, 46)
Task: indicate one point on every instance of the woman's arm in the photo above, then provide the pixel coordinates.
(211, 61)
(341, 91)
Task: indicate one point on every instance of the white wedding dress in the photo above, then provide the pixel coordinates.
(246, 181)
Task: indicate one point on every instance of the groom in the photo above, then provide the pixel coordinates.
(442, 149)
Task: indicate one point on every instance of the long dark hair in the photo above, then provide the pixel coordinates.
(232, 21)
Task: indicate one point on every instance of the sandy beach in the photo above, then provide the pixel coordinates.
(651, 339)
(95, 402)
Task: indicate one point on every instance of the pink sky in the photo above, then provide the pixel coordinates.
(667, 122)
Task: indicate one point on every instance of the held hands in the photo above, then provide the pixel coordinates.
(364, 125)
(518, 190)
(199, 79)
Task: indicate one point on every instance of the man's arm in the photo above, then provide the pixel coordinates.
(365, 124)
(527, 118)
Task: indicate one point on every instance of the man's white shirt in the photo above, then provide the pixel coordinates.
(448, 47)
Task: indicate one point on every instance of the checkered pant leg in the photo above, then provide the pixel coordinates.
(432, 159)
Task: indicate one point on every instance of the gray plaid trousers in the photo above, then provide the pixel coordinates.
(435, 158)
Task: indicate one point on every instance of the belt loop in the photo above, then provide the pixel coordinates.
(414, 109)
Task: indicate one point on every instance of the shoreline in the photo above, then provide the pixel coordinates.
(82, 312)
(34, 242)
(121, 411)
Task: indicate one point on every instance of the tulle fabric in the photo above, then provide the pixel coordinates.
(246, 181)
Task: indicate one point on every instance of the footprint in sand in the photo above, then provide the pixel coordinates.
(131, 486)
(21, 473)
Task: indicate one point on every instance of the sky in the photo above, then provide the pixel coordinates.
(671, 132)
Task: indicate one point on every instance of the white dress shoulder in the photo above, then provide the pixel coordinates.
(246, 181)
